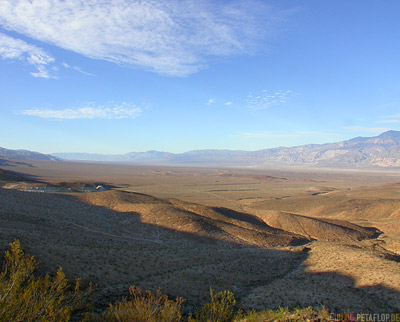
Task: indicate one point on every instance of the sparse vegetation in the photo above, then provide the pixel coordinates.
(26, 297)
(284, 314)
(143, 306)
(30, 298)
(219, 309)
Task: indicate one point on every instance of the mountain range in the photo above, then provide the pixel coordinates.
(379, 151)
(25, 155)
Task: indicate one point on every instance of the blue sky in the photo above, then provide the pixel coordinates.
(121, 76)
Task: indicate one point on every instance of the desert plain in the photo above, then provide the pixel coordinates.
(289, 236)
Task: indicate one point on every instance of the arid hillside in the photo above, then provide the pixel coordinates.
(274, 238)
(376, 206)
(119, 249)
(214, 223)
(317, 228)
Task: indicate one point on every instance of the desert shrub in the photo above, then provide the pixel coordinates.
(143, 306)
(25, 297)
(284, 314)
(220, 308)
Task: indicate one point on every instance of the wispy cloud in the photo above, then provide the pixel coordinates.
(389, 119)
(211, 101)
(76, 68)
(16, 49)
(267, 99)
(228, 103)
(366, 129)
(167, 37)
(123, 111)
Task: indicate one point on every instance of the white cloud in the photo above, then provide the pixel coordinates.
(76, 68)
(168, 37)
(122, 111)
(211, 101)
(265, 99)
(228, 103)
(366, 129)
(16, 49)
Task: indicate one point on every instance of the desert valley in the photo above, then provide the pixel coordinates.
(274, 236)
(199, 161)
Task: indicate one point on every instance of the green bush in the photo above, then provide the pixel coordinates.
(144, 306)
(220, 309)
(25, 297)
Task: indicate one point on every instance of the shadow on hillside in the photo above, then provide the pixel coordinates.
(116, 250)
(238, 215)
(375, 231)
(8, 176)
(14, 176)
(11, 163)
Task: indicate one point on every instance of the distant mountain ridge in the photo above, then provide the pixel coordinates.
(25, 155)
(379, 151)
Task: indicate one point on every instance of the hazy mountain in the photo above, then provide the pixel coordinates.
(128, 157)
(25, 155)
(149, 155)
(90, 157)
(382, 151)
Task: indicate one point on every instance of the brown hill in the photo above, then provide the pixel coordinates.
(116, 249)
(320, 229)
(270, 228)
(216, 223)
(377, 206)
(360, 204)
